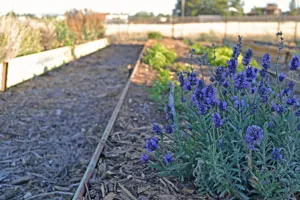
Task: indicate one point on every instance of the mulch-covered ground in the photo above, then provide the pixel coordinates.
(51, 124)
(120, 174)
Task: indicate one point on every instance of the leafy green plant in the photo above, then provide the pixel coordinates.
(155, 35)
(199, 49)
(159, 56)
(237, 137)
(160, 85)
(65, 36)
(222, 54)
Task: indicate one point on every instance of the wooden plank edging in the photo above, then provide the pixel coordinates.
(94, 160)
(24, 68)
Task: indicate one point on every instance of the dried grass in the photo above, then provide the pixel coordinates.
(10, 37)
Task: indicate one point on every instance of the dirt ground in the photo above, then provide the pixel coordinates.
(51, 124)
(120, 174)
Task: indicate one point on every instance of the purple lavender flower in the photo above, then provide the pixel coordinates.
(169, 128)
(210, 91)
(263, 72)
(220, 74)
(253, 137)
(295, 63)
(285, 92)
(222, 106)
(298, 113)
(240, 81)
(220, 143)
(253, 90)
(209, 95)
(202, 108)
(266, 61)
(232, 65)
(238, 104)
(291, 85)
(233, 98)
(281, 77)
(251, 74)
(152, 144)
(236, 51)
(144, 158)
(270, 124)
(198, 93)
(292, 101)
(264, 91)
(278, 108)
(187, 85)
(225, 84)
(276, 155)
(168, 158)
(181, 79)
(156, 129)
(247, 58)
(192, 78)
(216, 118)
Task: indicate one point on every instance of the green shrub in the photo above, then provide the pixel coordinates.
(65, 36)
(155, 35)
(159, 56)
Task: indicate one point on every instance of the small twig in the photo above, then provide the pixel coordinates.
(126, 191)
(87, 191)
(177, 190)
(50, 193)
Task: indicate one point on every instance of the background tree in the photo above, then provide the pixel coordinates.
(144, 14)
(293, 7)
(207, 7)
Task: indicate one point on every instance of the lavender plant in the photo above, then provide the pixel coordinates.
(237, 137)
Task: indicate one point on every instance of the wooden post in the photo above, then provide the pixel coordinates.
(295, 32)
(172, 19)
(278, 25)
(4, 76)
(225, 33)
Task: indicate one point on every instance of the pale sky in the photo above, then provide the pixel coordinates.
(111, 6)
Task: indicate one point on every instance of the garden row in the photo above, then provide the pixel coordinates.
(50, 125)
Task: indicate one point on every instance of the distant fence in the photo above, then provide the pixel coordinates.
(222, 26)
(209, 18)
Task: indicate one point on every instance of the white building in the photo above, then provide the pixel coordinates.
(117, 18)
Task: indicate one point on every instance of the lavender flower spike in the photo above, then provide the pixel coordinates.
(168, 158)
(295, 63)
(253, 137)
(144, 158)
(247, 58)
(216, 118)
